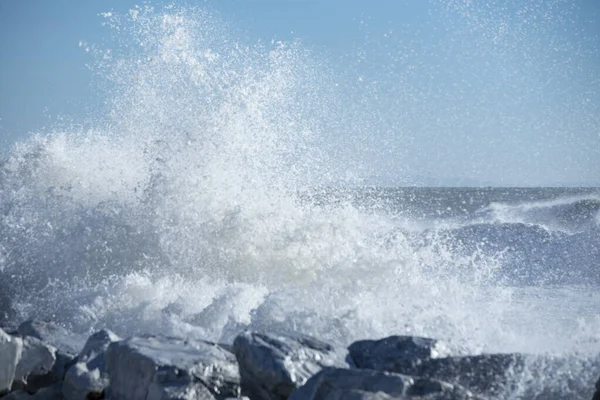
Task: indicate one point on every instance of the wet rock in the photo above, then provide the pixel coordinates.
(273, 366)
(487, 374)
(53, 392)
(65, 342)
(17, 395)
(38, 367)
(10, 354)
(395, 352)
(88, 377)
(363, 384)
(597, 394)
(155, 367)
(35, 369)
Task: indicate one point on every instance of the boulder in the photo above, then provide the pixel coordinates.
(65, 342)
(597, 394)
(35, 369)
(53, 392)
(88, 378)
(18, 395)
(363, 384)
(273, 366)
(395, 352)
(156, 367)
(486, 374)
(10, 354)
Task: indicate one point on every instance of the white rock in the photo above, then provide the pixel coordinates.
(272, 366)
(153, 368)
(97, 344)
(64, 341)
(10, 353)
(88, 377)
(34, 369)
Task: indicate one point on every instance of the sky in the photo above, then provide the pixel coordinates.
(466, 92)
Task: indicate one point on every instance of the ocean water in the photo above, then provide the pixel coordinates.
(205, 200)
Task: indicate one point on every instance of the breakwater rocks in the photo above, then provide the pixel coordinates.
(43, 361)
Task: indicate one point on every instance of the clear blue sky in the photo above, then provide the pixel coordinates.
(504, 92)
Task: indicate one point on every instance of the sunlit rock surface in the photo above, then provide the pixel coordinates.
(10, 355)
(88, 377)
(155, 367)
(272, 366)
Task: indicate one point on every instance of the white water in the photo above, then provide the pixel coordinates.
(178, 212)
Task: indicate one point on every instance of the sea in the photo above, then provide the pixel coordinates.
(203, 202)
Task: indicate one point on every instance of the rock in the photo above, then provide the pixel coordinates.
(363, 384)
(18, 395)
(88, 377)
(395, 352)
(53, 392)
(597, 394)
(65, 342)
(155, 367)
(97, 344)
(272, 366)
(486, 374)
(10, 354)
(35, 368)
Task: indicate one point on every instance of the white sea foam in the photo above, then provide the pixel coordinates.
(181, 212)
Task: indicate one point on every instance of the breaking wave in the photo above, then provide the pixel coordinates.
(191, 207)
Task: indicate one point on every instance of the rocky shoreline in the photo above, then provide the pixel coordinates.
(43, 361)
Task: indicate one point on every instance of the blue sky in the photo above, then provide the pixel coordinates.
(490, 92)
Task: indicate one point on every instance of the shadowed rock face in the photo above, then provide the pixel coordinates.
(394, 353)
(416, 356)
(486, 374)
(597, 394)
(265, 366)
(88, 378)
(273, 366)
(363, 384)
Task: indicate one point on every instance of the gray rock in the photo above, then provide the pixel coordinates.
(486, 374)
(17, 395)
(65, 342)
(363, 384)
(10, 354)
(154, 367)
(597, 394)
(88, 377)
(53, 392)
(35, 370)
(272, 366)
(394, 352)
(97, 344)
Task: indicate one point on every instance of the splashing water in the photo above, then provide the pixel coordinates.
(193, 208)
